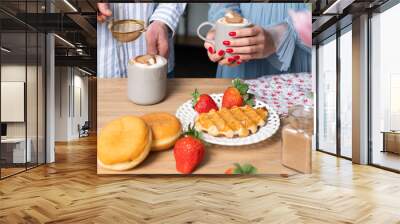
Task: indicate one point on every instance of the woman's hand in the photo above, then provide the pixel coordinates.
(211, 51)
(217, 56)
(249, 43)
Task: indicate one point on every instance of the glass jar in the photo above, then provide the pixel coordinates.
(297, 138)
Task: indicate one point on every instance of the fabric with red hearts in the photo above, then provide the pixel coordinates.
(283, 91)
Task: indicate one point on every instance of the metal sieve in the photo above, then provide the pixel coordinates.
(126, 30)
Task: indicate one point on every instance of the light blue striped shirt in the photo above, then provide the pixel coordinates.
(109, 64)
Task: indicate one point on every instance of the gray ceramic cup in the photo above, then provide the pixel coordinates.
(222, 30)
(147, 84)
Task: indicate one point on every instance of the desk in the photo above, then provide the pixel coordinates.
(18, 149)
(391, 141)
(113, 102)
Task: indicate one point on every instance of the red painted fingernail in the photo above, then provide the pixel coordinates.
(231, 59)
(211, 50)
(229, 50)
(226, 42)
(238, 62)
(232, 34)
(221, 52)
(236, 57)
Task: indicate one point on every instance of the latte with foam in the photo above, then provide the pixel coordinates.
(232, 21)
(147, 79)
(232, 17)
(149, 60)
(146, 59)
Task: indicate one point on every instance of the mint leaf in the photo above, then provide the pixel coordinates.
(252, 170)
(249, 169)
(244, 169)
(238, 169)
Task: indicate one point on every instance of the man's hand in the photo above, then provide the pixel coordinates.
(157, 39)
(104, 12)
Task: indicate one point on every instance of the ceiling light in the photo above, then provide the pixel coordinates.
(70, 5)
(5, 50)
(65, 41)
(333, 6)
(84, 71)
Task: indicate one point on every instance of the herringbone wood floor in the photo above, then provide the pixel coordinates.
(69, 191)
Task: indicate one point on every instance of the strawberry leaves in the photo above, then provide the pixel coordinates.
(195, 97)
(191, 131)
(241, 86)
(248, 98)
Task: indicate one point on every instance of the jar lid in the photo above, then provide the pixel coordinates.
(302, 111)
(301, 117)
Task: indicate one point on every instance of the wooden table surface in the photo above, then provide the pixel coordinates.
(113, 102)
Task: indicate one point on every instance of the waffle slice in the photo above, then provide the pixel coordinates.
(258, 115)
(245, 120)
(237, 121)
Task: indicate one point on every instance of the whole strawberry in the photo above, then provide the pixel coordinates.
(189, 152)
(232, 98)
(237, 95)
(203, 103)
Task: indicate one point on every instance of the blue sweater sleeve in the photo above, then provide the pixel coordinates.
(217, 10)
(283, 56)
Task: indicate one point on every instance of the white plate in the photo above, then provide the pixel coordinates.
(186, 114)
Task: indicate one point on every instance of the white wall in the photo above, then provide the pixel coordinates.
(68, 83)
(62, 81)
(33, 126)
(79, 117)
(82, 82)
(16, 72)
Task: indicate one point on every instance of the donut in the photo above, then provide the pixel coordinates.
(166, 129)
(123, 143)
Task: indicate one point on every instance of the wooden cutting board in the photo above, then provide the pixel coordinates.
(113, 102)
